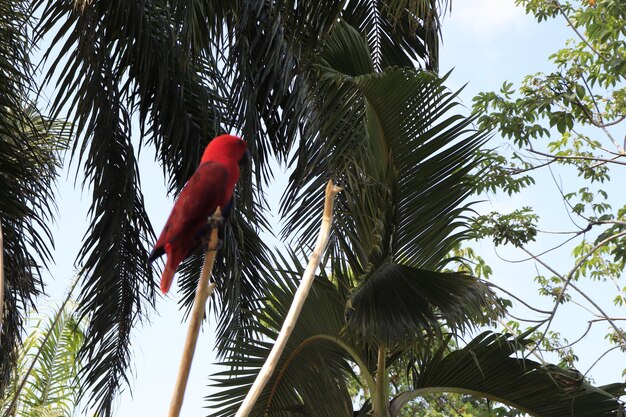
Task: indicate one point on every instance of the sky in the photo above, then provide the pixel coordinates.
(485, 42)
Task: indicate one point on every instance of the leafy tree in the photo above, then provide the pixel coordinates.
(565, 124)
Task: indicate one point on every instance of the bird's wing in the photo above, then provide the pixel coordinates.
(201, 195)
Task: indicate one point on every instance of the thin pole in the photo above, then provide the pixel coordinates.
(296, 306)
(203, 292)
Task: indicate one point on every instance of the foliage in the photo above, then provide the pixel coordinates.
(401, 307)
(245, 66)
(569, 122)
(29, 161)
(48, 363)
(336, 89)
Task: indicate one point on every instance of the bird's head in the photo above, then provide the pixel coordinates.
(224, 147)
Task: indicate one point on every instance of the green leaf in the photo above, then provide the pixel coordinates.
(48, 360)
(391, 141)
(485, 367)
(313, 366)
(398, 304)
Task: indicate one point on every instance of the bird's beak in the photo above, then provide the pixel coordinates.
(245, 159)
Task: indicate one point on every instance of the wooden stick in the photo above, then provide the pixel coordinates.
(203, 292)
(296, 306)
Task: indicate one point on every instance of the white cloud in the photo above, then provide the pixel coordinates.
(486, 17)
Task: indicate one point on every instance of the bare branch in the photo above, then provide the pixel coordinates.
(567, 279)
(491, 284)
(567, 203)
(599, 358)
(579, 157)
(522, 171)
(606, 316)
(589, 324)
(601, 124)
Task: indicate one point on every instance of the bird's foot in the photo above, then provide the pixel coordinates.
(215, 221)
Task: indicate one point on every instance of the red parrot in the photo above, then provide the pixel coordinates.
(210, 186)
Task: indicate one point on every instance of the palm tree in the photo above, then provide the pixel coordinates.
(29, 159)
(335, 89)
(388, 299)
(190, 70)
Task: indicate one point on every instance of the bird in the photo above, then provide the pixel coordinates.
(211, 186)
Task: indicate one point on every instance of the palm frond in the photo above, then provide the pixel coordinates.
(17, 185)
(486, 367)
(398, 304)
(29, 164)
(312, 364)
(53, 384)
(178, 110)
(110, 53)
(429, 151)
(399, 33)
(45, 379)
(116, 283)
(391, 140)
(241, 274)
(268, 53)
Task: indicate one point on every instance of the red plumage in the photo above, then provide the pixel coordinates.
(211, 186)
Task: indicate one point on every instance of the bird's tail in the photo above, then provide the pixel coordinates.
(167, 277)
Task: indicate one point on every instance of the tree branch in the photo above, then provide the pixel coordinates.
(582, 38)
(606, 316)
(599, 358)
(491, 284)
(203, 292)
(296, 306)
(585, 158)
(568, 282)
(600, 124)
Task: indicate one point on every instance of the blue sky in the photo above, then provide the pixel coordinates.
(486, 42)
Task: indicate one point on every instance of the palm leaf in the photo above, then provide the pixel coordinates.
(486, 368)
(319, 359)
(179, 110)
(19, 184)
(116, 283)
(399, 33)
(50, 356)
(312, 364)
(29, 163)
(390, 140)
(109, 53)
(400, 304)
(241, 273)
